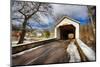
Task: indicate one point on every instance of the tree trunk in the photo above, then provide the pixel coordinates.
(91, 20)
(23, 32)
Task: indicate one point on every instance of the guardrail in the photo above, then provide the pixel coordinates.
(19, 48)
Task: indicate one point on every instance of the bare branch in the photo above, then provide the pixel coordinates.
(21, 12)
(35, 11)
(29, 25)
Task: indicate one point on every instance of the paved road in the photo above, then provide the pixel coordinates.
(54, 52)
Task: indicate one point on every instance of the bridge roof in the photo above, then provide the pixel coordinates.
(67, 18)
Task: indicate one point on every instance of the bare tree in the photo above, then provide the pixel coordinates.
(91, 14)
(28, 10)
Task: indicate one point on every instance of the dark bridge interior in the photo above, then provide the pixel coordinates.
(65, 30)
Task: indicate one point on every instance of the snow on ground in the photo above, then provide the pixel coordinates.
(73, 52)
(14, 43)
(87, 50)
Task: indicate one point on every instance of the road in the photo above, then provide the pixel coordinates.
(55, 52)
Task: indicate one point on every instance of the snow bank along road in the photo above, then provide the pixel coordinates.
(59, 51)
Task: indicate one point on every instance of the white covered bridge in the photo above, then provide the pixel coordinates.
(68, 28)
(65, 27)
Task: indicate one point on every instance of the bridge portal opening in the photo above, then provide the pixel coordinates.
(67, 32)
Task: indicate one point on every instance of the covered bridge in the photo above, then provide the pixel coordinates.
(67, 28)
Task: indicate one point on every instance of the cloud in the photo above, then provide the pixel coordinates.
(73, 11)
(77, 12)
